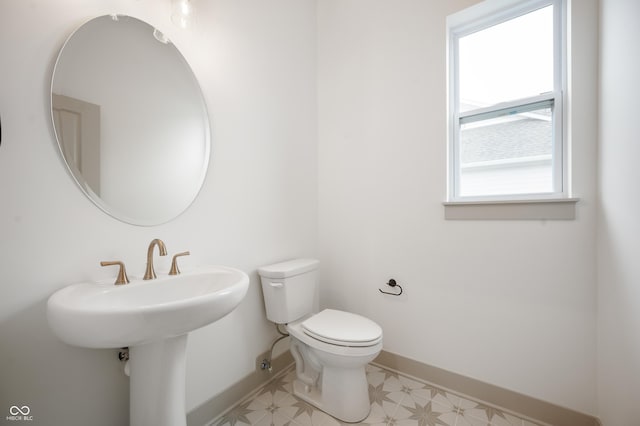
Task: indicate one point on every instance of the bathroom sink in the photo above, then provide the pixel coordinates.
(153, 318)
(103, 315)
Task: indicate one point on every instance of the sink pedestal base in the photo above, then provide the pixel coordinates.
(157, 386)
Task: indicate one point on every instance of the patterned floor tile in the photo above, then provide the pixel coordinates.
(381, 414)
(314, 417)
(396, 400)
(475, 414)
(241, 415)
(426, 414)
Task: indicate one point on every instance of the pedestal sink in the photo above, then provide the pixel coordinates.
(152, 318)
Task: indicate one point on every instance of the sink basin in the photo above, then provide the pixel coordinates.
(104, 315)
(152, 318)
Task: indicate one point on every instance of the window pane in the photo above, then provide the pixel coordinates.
(507, 155)
(508, 61)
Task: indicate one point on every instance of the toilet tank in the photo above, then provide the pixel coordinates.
(289, 289)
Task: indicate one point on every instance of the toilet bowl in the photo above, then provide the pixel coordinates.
(330, 368)
(330, 348)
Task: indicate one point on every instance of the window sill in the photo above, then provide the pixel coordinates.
(552, 209)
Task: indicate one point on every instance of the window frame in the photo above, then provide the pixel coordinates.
(482, 16)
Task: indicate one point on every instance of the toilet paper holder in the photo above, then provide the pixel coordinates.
(392, 283)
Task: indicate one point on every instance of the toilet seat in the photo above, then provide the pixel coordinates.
(296, 331)
(342, 329)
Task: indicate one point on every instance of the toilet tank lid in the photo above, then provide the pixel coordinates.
(288, 268)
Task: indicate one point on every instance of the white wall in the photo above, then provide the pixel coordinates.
(256, 64)
(508, 302)
(619, 213)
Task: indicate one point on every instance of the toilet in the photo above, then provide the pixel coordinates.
(330, 348)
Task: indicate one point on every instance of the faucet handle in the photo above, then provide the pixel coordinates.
(122, 272)
(174, 263)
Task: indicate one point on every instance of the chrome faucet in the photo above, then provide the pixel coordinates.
(150, 273)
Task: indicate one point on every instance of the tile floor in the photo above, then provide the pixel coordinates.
(397, 400)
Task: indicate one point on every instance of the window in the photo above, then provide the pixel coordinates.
(506, 76)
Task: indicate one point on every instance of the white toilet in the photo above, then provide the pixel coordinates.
(330, 348)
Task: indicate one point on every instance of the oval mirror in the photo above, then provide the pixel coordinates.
(130, 120)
